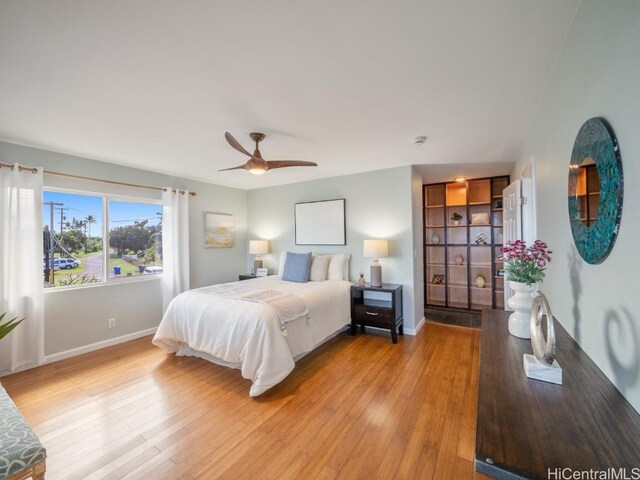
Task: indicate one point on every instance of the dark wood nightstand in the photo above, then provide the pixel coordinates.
(246, 276)
(383, 311)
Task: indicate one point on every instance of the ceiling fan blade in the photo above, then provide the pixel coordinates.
(234, 143)
(290, 163)
(239, 167)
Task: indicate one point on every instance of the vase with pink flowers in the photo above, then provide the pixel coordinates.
(524, 266)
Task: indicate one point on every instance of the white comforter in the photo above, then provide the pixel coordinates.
(247, 335)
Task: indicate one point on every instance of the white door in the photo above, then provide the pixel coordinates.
(512, 222)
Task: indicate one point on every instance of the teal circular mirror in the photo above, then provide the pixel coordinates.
(595, 190)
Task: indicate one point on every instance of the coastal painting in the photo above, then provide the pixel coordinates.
(219, 230)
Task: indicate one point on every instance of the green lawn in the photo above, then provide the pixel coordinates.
(114, 261)
(125, 267)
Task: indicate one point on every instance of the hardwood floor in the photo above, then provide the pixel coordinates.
(358, 407)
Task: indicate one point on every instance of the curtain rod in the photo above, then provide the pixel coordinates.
(112, 182)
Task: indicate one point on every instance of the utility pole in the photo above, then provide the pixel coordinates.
(49, 265)
(62, 209)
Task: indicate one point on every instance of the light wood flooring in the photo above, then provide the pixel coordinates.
(358, 407)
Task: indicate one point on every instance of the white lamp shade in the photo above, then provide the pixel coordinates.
(376, 248)
(258, 247)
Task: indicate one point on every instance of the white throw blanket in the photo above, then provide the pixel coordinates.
(287, 307)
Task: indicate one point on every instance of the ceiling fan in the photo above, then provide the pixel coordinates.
(258, 165)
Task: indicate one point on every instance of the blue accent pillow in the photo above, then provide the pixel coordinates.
(296, 267)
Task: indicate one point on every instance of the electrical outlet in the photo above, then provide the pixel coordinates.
(112, 323)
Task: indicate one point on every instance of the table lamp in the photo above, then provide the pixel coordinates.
(376, 249)
(257, 248)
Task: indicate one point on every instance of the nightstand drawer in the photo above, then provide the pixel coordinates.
(369, 314)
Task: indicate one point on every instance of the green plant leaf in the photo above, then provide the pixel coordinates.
(5, 328)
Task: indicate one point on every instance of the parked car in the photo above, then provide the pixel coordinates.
(152, 270)
(53, 264)
(65, 263)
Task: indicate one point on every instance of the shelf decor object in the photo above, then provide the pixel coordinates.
(257, 248)
(542, 365)
(525, 268)
(594, 235)
(521, 303)
(376, 249)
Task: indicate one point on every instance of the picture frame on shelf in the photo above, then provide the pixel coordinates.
(261, 272)
(437, 279)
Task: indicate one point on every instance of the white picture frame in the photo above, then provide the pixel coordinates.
(320, 223)
(261, 272)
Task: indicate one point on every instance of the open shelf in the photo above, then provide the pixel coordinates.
(455, 260)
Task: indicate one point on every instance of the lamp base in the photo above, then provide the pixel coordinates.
(376, 274)
(257, 263)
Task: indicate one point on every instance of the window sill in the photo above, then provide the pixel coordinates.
(141, 279)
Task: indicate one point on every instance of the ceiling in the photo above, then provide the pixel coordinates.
(155, 84)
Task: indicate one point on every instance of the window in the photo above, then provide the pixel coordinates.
(79, 228)
(135, 239)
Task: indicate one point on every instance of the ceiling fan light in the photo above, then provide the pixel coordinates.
(257, 170)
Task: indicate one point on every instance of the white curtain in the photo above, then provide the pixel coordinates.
(21, 275)
(175, 244)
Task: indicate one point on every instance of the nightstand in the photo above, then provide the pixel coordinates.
(382, 309)
(246, 276)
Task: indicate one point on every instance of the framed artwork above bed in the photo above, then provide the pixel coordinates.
(320, 223)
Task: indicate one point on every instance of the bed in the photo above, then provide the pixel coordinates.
(250, 335)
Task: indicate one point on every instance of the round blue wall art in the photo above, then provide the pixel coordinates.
(596, 143)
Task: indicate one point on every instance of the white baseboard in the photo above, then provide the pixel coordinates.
(414, 331)
(54, 357)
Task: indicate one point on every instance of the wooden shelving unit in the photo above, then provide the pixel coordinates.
(588, 191)
(454, 253)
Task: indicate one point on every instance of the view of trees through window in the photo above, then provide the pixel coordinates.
(73, 239)
(135, 239)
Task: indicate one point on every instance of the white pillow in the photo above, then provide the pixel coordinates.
(319, 268)
(283, 258)
(339, 267)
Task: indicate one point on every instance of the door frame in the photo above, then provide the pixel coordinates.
(529, 209)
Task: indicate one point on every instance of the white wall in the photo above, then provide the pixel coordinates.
(597, 74)
(378, 205)
(78, 317)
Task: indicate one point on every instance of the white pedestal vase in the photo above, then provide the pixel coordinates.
(520, 319)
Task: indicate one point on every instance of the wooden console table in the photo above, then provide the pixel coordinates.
(528, 428)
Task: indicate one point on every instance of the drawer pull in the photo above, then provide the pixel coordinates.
(373, 313)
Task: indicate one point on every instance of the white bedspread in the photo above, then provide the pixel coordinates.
(247, 335)
(288, 307)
